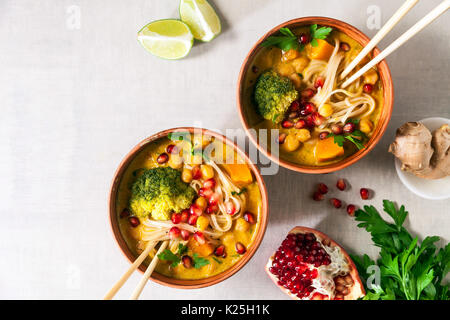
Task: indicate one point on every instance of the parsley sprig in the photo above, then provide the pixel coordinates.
(318, 33)
(410, 270)
(356, 137)
(171, 257)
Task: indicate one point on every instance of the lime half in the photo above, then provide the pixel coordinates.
(201, 18)
(168, 39)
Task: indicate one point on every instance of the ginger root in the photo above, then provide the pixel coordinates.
(425, 154)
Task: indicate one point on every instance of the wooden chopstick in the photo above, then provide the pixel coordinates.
(148, 272)
(392, 22)
(430, 17)
(111, 293)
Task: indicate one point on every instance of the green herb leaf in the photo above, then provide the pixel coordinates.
(234, 193)
(182, 249)
(217, 260)
(321, 33)
(356, 142)
(199, 261)
(169, 256)
(338, 139)
(286, 42)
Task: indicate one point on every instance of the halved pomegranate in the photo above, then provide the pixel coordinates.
(309, 265)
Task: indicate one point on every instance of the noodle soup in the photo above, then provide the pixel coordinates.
(196, 193)
(318, 121)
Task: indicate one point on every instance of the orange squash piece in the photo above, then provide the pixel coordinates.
(239, 173)
(203, 250)
(322, 52)
(326, 149)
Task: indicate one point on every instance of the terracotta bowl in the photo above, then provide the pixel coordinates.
(159, 278)
(385, 77)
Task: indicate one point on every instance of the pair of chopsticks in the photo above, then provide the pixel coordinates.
(401, 12)
(138, 290)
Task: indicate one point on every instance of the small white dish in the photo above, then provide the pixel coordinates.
(429, 189)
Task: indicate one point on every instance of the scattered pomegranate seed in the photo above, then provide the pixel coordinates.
(212, 209)
(287, 124)
(230, 208)
(367, 88)
(295, 106)
(220, 251)
(344, 46)
(255, 69)
(336, 203)
(125, 213)
(174, 233)
(364, 193)
(351, 210)
(317, 118)
(349, 127)
(310, 107)
(199, 237)
(195, 210)
(323, 135)
(341, 185)
(214, 199)
(162, 158)
(300, 124)
(317, 196)
(134, 221)
(322, 188)
(309, 121)
(176, 218)
(206, 193)
(209, 184)
(281, 138)
(192, 219)
(184, 216)
(187, 261)
(249, 217)
(185, 234)
(308, 93)
(304, 38)
(336, 129)
(240, 248)
(171, 148)
(319, 82)
(196, 173)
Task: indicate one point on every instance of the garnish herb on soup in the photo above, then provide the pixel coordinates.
(196, 192)
(295, 86)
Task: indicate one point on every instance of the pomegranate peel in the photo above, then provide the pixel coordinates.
(347, 280)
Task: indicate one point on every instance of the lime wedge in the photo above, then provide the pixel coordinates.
(168, 39)
(201, 18)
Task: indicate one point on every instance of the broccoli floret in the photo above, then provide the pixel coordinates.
(159, 192)
(273, 95)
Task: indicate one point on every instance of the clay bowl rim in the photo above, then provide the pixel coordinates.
(385, 77)
(179, 283)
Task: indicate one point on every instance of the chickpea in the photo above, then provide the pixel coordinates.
(303, 135)
(207, 171)
(326, 110)
(175, 161)
(296, 80)
(371, 77)
(193, 159)
(300, 64)
(291, 143)
(289, 55)
(365, 126)
(201, 202)
(186, 175)
(201, 141)
(202, 223)
(228, 240)
(242, 225)
(285, 69)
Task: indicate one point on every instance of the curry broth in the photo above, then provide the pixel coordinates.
(146, 159)
(268, 58)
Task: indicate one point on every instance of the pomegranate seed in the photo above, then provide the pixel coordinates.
(212, 209)
(310, 108)
(196, 173)
(317, 118)
(351, 210)
(134, 221)
(185, 234)
(341, 185)
(209, 184)
(336, 129)
(308, 93)
(349, 127)
(319, 82)
(240, 248)
(287, 124)
(344, 46)
(174, 233)
(187, 262)
(281, 138)
(309, 121)
(367, 88)
(295, 106)
(364, 193)
(195, 210)
(171, 148)
(292, 115)
(192, 219)
(300, 124)
(214, 199)
(323, 135)
(249, 217)
(125, 213)
(255, 69)
(184, 216)
(336, 203)
(219, 251)
(317, 196)
(206, 193)
(304, 38)
(199, 237)
(176, 218)
(162, 158)
(322, 188)
(230, 208)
